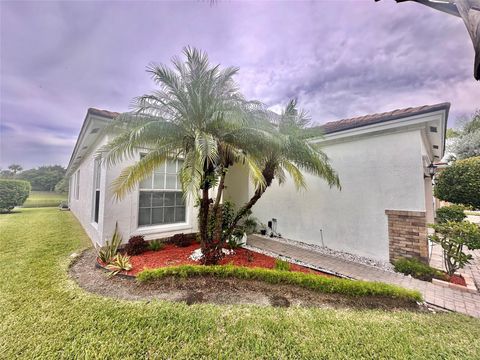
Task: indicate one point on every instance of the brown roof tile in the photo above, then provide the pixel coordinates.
(356, 122)
(103, 113)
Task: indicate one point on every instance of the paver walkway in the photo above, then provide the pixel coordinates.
(451, 299)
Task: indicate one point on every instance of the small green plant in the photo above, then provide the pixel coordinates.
(451, 213)
(418, 270)
(235, 241)
(282, 265)
(119, 263)
(156, 245)
(453, 237)
(107, 253)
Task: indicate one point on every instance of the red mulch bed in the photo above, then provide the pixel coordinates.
(458, 279)
(173, 255)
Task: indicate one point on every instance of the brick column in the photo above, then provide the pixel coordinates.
(407, 234)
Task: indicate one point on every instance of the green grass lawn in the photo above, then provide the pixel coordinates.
(45, 315)
(44, 199)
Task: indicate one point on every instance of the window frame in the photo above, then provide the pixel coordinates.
(153, 189)
(97, 174)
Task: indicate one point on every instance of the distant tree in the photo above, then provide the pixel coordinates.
(467, 143)
(62, 186)
(44, 178)
(15, 168)
(6, 174)
(460, 183)
(452, 133)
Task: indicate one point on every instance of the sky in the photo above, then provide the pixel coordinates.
(339, 58)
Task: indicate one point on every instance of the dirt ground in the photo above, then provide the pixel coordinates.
(219, 291)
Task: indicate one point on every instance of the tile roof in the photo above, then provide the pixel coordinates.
(103, 113)
(356, 122)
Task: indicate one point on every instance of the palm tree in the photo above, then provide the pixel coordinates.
(294, 155)
(15, 168)
(197, 114)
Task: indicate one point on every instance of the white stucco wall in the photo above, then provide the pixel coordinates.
(124, 212)
(83, 207)
(376, 173)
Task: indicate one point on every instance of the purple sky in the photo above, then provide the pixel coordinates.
(340, 58)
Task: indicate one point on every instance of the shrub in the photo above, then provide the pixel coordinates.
(418, 270)
(13, 193)
(119, 263)
(282, 265)
(156, 245)
(459, 183)
(107, 253)
(183, 240)
(313, 282)
(451, 213)
(453, 236)
(136, 245)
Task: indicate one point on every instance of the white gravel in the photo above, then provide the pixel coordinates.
(337, 254)
(197, 255)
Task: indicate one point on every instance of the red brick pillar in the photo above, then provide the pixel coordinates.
(407, 234)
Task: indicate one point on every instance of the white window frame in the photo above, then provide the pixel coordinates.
(97, 173)
(177, 190)
(77, 185)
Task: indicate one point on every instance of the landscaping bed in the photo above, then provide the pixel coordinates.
(173, 255)
(174, 284)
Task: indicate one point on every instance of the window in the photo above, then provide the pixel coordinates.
(77, 184)
(96, 188)
(161, 198)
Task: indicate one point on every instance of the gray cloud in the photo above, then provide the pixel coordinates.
(340, 59)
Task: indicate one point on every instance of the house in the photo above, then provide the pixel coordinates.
(381, 212)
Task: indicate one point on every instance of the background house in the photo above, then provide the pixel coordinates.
(381, 212)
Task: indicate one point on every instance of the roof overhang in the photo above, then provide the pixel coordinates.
(432, 124)
(92, 129)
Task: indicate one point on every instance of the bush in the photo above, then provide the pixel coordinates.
(459, 183)
(451, 213)
(107, 253)
(13, 193)
(183, 240)
(282, 265)
(136, 245)
(156, 245)
(453, 236)
(313, 282)
(418, 270)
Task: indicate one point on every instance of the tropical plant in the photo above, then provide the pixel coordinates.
(119, 263)
(293, 155)
(451, 213)
(198, 114)
(156, 245)
(13, 193)
(107, 253)
(453, 237)
(459, 183)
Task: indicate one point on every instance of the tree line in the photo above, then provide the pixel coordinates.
(42, 178)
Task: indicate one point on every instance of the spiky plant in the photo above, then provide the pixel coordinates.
(197, 114)
(294, 156)
(107, 253)
(118, 264)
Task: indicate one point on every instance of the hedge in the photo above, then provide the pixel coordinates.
(13, 193)
(460, 183)
(331, 285)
